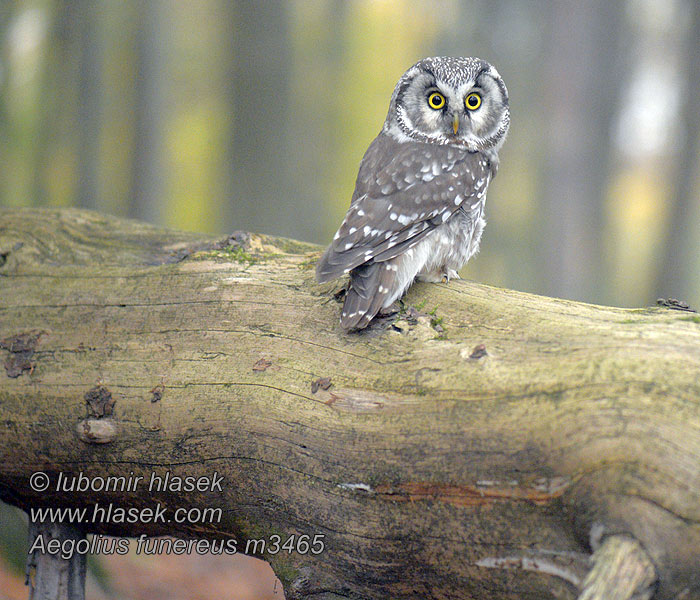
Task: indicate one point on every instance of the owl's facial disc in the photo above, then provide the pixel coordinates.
(450, 101)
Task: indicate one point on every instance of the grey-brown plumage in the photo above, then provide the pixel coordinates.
(417, 209)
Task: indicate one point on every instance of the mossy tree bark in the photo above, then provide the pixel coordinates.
(481, 446)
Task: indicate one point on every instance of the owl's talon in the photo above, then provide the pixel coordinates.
(390, 310)
(450, 274)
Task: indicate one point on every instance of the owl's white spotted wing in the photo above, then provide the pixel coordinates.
(403, 191)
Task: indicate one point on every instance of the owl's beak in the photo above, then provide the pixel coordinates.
(455, 123)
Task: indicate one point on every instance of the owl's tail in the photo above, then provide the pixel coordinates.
(372, 287)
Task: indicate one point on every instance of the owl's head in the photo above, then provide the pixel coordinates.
(446, 100)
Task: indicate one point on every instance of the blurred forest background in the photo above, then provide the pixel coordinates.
(212, 116)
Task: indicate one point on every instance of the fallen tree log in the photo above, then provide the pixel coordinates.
(485, 444)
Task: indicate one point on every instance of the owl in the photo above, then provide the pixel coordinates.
(418, 206)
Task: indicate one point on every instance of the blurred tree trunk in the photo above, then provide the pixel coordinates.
(150, 91)
(59, 132)
(6, 10)
(581, 92)
(89, 103)
(680, 250)
(318, 57)
(54, 67)
(258, 92)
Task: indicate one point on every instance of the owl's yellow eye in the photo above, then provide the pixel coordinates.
(472, 101)
(436, 101)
